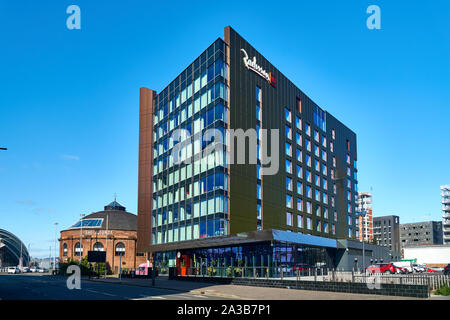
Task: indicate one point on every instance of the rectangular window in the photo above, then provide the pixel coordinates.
(299, 172)
(298, 123)
(288, 166)
(287, 114)
(288, 184)
(288, 149)
(300, 221)
(308, 129)
(299, 155)
(299, 187)
(298, 138)
(288, 132)
(288, 201)
(308, 207)
(289, 218)
(299, 204)
(299, 105)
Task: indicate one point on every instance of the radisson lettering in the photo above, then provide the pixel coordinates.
(252, 65)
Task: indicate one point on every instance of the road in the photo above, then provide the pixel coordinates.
(46, 287)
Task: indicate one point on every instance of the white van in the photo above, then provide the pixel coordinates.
(404, 264)
(13, 270)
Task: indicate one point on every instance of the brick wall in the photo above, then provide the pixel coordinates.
(109, 242)
(416, 291)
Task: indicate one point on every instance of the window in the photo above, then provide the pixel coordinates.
(288, 132)
(309, 223)
(298, 138)
(333, 134)
(299, 105)
(299, 204)
(288, 149)
(308, 145)
(288, 166)
(65, 249)
(288, 201)
(258, 94)
(299, 155)
(308, 129)
(98, 246)
(120, 249)
(287, 114)
(289, 218)
(288, 184)
(308, 191)
(299, 172)
(308, 207)
(298, 123)
(316, 136)
(299, 187)
(300, 221)
(78, 249)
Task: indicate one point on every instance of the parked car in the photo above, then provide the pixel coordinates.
(406, 265)
(384, 268)
(432, 270)
(42, 270)
(26, 270)
(419, 268)
(13, 270)
(447, 269)
(34, 269)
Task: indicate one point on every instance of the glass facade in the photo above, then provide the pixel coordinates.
(261, 254)
(190, 200)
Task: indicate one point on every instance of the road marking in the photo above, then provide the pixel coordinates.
(158, 297)
(98, 292)
(199, 296)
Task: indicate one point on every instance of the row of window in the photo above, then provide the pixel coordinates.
(319, 226)
(98, 246)
(203, 229)
(187, 211)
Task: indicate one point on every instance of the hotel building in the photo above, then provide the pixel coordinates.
(218, 209)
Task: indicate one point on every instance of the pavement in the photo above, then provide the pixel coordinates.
(252, 293)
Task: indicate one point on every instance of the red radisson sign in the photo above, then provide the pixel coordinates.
(252, 65)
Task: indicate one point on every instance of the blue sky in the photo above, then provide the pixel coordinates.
(69, 98)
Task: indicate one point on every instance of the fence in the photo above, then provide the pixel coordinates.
(433, 281)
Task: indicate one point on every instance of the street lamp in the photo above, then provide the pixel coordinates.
(362, 214)
(81, 234)
(54, 258)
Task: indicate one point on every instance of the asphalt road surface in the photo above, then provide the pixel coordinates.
(46, 287)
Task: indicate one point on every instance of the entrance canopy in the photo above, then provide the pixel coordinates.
(246, 238)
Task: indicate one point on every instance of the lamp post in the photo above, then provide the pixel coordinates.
(54, 258)
(81, 234)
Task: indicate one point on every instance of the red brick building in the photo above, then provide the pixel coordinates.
(113, 230)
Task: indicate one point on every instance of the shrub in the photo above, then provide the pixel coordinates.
(443, 291)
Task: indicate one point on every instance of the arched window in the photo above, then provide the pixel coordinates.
(65, 249)
(78, 249)
(120, 249)
(98, 246)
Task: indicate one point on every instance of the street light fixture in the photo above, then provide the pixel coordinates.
(81, 235)
(54, 258)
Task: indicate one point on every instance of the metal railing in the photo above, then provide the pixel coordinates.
(433, 281)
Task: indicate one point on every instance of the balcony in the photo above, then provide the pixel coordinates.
(446, 200)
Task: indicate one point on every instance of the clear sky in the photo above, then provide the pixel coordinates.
(69, 99)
